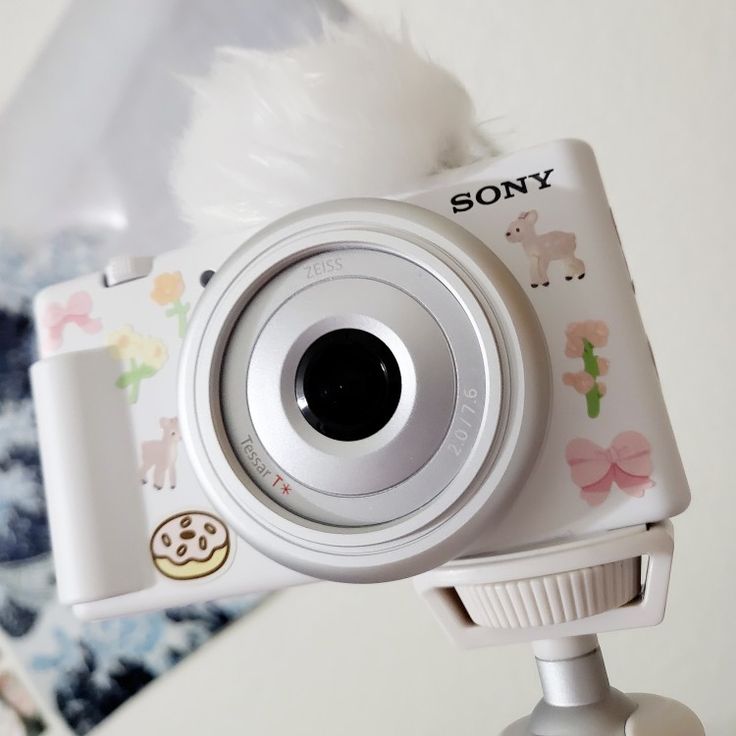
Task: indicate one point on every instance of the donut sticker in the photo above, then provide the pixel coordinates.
(159, 456)
(543, 248)
(57, 317)
(582, 340)
(168, 289)
(190, 545)
(144, 356)
(627, 462)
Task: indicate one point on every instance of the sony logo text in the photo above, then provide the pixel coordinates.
(492, 193)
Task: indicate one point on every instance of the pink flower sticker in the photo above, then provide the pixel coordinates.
(582, 338)
(594, 331)
(582, 382)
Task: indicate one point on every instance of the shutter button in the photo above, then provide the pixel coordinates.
(121, 269)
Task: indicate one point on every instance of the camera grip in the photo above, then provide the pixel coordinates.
(98, 522)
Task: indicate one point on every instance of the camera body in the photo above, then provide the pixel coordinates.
(363, 391)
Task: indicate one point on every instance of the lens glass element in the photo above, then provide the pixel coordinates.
(348, 384)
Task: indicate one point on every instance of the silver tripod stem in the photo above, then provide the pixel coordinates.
(579, 700)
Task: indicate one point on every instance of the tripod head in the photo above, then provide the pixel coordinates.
(559, 598)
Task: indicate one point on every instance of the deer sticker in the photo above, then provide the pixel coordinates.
(160, 455)
(542, 249)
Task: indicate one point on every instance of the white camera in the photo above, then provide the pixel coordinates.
(363, 391)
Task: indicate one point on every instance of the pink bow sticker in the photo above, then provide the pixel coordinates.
(627, 463)
(57, 316)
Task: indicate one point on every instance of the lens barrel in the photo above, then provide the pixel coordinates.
(363, 390)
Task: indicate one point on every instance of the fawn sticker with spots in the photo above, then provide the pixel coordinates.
(158, 457)
(543, 248)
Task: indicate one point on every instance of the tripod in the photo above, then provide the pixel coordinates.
(559, 598)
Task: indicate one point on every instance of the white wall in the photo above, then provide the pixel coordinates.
(651, 86)
(24, 27)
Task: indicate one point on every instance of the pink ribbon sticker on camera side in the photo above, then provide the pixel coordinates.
(627, 463)
(76, 311)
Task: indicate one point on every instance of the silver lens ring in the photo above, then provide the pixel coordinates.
(496, 455)
(400, 468)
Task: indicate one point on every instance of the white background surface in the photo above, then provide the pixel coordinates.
(651, 86)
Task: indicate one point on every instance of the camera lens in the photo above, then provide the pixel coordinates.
(348, 384)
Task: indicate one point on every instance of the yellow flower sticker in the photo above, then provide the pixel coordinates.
(144, 355)
(168, 289)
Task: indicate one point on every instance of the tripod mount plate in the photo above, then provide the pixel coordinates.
(617, 580)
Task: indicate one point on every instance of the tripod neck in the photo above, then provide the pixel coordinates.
(572, 671)
(578, 699)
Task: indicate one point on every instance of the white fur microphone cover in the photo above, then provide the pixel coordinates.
(352, 113)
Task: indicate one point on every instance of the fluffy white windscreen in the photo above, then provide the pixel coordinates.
(352, 113)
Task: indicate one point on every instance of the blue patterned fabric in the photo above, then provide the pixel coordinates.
(85, 670)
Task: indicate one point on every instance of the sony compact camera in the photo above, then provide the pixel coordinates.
(362, 391)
